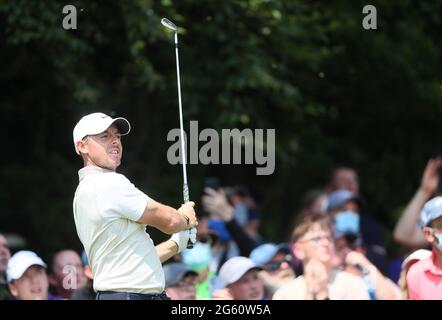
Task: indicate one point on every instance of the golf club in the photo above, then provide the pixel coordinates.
(170, 25)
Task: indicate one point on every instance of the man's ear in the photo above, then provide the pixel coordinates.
(81, 146)
(298, 251)
(13, 289)
(428, 234)
(88, 272)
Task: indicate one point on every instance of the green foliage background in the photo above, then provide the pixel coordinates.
(334, 92)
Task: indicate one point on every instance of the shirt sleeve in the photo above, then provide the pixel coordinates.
(119, 198)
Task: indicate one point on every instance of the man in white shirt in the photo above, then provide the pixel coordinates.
(111, 215)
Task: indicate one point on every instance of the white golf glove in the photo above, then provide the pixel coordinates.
(182, 238)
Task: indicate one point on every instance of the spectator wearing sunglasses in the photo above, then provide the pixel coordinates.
(276, 263)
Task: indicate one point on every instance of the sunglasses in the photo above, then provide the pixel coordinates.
(276, 265)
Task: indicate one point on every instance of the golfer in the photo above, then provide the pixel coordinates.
(111, 215)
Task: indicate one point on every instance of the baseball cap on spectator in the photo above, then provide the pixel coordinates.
(174, 272)
(219, 227)
(235, 268)
(265, 252)
(340, 197)
(432, 210)
(20, 262)
(96, 123)
(420, 254)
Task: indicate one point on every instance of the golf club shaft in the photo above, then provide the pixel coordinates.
(183, 149)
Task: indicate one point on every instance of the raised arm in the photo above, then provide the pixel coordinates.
(407, 230)
(216, 203)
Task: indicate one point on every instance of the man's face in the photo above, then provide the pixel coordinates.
(434, 235)
(32, 285)
(316, 244)
(248, 287)
(183, 290)
(5, 254)
(346, 179)
(67, 263)
(104, 149)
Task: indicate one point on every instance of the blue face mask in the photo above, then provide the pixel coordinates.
(346, 222)
(197, 258)
(241, 213)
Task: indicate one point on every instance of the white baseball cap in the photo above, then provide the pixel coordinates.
(96, 123)
(235, 268)
(431, 210)
(20, 262)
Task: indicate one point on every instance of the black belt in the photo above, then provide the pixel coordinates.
(114, 295)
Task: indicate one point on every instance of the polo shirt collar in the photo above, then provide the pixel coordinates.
(431, 267)
(83, 172)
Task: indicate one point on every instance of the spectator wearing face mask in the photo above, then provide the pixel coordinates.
(351, 252)
(346, 178)
(424, 278)
(223, 220)
(233, 240)
(245, 203)
(344, 208)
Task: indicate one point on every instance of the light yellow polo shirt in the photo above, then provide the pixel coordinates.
(121, 254)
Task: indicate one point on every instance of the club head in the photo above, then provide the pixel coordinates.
(168, 24)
